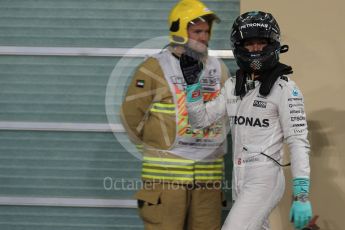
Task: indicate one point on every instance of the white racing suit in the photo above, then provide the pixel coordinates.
(258, 125)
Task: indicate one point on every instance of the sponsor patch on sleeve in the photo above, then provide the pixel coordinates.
(260, 104)
(295, 92)
(140, 83)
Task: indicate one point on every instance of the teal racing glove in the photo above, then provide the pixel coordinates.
(300, 212)
(193, 92)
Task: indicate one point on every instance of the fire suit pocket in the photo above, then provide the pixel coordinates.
(150, 206)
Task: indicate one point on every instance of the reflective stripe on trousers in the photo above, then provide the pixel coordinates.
(182, 169)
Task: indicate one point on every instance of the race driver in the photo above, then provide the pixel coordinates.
(265, 108)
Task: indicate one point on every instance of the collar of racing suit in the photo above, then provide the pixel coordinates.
(267, 79)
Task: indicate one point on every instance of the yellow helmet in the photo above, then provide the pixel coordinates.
(184, 12)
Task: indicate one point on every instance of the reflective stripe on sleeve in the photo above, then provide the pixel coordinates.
(163, 108)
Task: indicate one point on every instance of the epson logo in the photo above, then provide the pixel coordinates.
(294, 111)
(250, 121)
(254, 25)
(295, 99)
(261, 104)
(299, 130)
(298, 125)
(295, 105)
(300, 118)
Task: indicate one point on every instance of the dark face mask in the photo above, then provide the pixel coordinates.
(258, 61)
